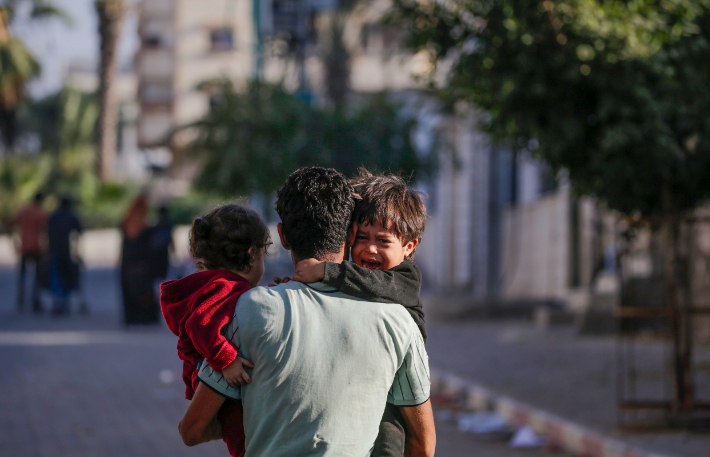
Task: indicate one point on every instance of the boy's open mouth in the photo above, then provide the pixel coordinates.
(372, 264)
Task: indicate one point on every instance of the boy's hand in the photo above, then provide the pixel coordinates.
(278, 280)
(309, 270)
(234, 373)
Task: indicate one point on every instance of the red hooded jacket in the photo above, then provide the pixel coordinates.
(196, 309)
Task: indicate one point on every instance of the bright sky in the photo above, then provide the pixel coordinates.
(57, 46)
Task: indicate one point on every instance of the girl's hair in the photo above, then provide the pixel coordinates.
(221, 239)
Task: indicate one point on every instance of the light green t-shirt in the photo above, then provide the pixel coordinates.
(325, 365)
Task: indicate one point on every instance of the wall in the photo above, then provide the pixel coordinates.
(536, 249)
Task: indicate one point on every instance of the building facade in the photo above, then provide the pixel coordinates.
(184, 43)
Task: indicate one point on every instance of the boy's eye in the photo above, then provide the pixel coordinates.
(384, 241)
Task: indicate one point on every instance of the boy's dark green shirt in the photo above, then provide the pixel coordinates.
(401, 284)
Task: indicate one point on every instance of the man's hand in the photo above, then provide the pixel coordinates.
(200, 424)
(235, 374)
(421, 434)
(309, 270)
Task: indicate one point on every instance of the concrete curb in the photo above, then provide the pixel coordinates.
(561, 434)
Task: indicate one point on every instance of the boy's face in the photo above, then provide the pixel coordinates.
(378, 248)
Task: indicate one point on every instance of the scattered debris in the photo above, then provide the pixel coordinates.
(486, 425)
(526, 437)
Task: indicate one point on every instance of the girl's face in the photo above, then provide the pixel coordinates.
(257, 266)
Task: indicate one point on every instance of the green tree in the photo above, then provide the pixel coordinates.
(623, 109)
(615, 92)
(17, 64)
(64, 124)
(252, 140)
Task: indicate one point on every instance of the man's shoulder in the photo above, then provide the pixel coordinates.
(261, 301)
(260, 295)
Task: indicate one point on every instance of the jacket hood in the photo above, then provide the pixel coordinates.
(178, 296)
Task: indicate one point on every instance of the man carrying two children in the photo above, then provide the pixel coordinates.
(325, 363)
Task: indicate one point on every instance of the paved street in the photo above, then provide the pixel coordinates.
(558, 371)
(85, 386)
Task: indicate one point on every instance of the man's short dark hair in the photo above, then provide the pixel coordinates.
(315, 205)
(388, 200)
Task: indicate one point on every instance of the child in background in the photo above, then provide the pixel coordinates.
(229, 244)
(388, 223)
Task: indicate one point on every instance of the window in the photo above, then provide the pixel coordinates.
(156, 92)
(222, 39)
(152, 41)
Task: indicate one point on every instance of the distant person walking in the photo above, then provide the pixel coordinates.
(62, 228)
(31, 221)
(140, 304)
(161, 244)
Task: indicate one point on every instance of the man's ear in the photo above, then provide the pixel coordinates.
(284, 243)
(409, 247)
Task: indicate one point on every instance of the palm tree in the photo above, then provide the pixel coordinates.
(17, 64)
(110, 13)
(336, 59)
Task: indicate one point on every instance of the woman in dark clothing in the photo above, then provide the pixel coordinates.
(140, 305)
(161, 244)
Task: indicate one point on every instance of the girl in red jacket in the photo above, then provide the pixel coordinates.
(229, 245)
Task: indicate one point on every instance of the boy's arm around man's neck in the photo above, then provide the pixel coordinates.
(401, 284)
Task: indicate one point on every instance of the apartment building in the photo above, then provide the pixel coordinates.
(183, 43)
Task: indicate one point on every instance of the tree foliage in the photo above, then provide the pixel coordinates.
(38, 9)
(17, 64)
(251, 141)
(64, 123)
(613, 91)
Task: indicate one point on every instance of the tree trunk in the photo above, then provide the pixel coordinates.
(677, 298)
(110, 13)
(8, 127)
(337, 62)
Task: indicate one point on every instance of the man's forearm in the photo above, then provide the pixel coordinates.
(421, 433)
(200, 423)
(192, 437)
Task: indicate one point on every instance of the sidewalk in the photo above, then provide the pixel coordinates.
(550, 376)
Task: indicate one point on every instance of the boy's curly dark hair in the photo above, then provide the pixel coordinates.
(315, 205)
(221, 239)
(387, 199)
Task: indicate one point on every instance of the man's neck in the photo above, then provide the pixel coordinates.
(336, 257)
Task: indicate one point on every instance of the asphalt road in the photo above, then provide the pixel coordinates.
(86, 386)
